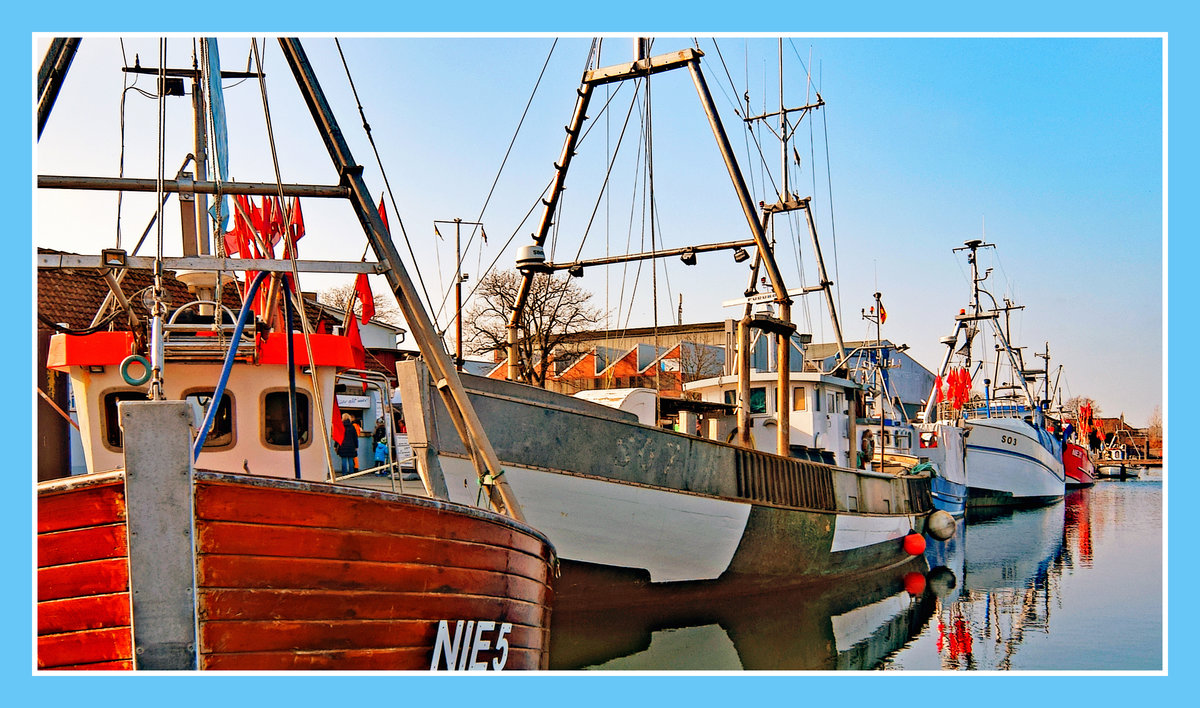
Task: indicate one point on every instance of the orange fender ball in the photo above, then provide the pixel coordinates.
(914, 544)
(914, 583)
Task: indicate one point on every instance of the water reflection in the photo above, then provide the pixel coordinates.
(1004, 561)
(601, 623)
(1072, 586)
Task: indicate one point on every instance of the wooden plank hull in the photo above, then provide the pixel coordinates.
(297, 575)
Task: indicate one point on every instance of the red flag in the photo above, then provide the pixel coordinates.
(321, 329)
(363, 289)
(337, 431)
(882, 313)
(236, 238)
(383, 215)
(278, 226)
(356, 345)
(939, 390)
(297, 221)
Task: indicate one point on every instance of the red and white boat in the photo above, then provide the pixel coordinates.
(209, 531)
(1077, 463)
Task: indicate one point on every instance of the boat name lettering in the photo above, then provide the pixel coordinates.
(470, 642)
(1009, 439)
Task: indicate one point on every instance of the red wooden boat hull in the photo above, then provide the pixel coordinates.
(1078, 466)
(297, 575)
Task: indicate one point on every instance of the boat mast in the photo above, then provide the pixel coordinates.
(454, 395)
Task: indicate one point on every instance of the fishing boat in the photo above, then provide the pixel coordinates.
(619, 496)
(1078, 467)
(1011, 459)
(210, 530)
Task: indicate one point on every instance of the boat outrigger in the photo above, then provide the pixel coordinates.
(636, 502)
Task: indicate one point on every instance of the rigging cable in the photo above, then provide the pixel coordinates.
(503, 162)
(290, 248)
(386, 182)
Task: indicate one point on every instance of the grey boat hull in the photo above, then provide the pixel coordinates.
(611, 492)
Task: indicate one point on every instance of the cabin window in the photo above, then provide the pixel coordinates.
(277, 429)
(112, 421)
(798, 398)
(758, 400)
(221, 432)
(817, 400)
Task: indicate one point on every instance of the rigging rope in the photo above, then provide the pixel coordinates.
(386, 182)
(290, 249)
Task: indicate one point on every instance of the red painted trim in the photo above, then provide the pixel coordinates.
(111, 348)
(96, 349)
(328, 350)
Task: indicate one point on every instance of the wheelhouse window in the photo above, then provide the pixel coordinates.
(113, 436)
(758, 399)
(277, 429)
(799, 399)
(221, 432)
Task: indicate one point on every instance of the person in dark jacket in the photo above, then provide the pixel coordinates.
(347, 449)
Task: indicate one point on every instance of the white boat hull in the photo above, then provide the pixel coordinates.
(1008, 465)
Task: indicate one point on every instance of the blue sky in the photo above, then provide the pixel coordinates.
(1051, 148)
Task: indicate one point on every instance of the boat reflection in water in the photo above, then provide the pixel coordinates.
(601, 621)
(1007, 563)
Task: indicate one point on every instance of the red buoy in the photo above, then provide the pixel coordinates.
(914, 583)
(914, 544)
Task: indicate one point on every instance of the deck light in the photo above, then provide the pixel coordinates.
(740, 255)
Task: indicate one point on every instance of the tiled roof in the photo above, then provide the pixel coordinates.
(72, 296)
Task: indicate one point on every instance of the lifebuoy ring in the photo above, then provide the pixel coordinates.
(131, 359)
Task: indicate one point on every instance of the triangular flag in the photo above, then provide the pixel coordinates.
(363, 289)
(882, 313)
(436, 232)
(383, 215)
(483, 234)
(337, 431)
(297, 221)
(356, 345)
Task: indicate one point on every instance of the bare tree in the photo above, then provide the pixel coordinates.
(1155, 429)
(556, 309)
(1074, 403)
(386, 309)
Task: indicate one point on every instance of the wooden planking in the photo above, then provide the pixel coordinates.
(225, 604)
(122, 665)
(82, 579)
(81, 508)
(229, 502)
(318, 574)
(84, 544)
(83, 613)
(344, 544)
(237, 637)
(408, 659)
(79, 649)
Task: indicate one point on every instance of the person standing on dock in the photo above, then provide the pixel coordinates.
(348, 448)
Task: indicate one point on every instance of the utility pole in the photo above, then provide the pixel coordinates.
(459, 279)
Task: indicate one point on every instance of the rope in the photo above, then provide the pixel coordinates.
(290, 248)
(386, 182)
(487, 200)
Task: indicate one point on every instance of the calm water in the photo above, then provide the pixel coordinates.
(1073, 586)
